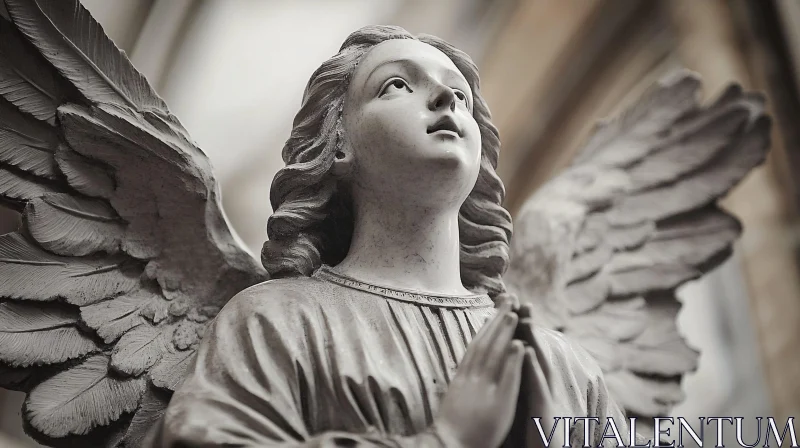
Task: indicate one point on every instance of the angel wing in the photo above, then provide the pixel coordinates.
(124, 252)
(600, 250)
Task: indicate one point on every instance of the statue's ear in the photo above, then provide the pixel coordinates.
(343, 161)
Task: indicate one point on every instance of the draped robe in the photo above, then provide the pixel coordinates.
(328, 361)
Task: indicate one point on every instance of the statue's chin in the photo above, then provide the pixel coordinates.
(457, 166)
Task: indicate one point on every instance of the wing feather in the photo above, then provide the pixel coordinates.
(75, 44)
(139, 349)
(67, 225)
(172, 369)
(26, 79)
(589, 262)
(679, 250)
(618, 320)
(626, 237)
(35, 334)
(588, 293)
(80, 398)
(17, 188)
(594, 229)
(113, 318)
(690, 151)
(660, 349)
(26, 143)
(628, 138)
(84, 175)
(700, 187)
(33, 274)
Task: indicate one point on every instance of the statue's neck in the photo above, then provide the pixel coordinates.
(405, 247)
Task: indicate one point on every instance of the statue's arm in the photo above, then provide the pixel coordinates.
(245, 391)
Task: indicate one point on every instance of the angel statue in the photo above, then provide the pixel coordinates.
(391, 306)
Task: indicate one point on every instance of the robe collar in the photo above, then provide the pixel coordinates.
(406, 295)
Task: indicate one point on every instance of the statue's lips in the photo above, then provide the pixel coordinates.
(445, 125)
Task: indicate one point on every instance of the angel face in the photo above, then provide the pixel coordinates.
(408, 122)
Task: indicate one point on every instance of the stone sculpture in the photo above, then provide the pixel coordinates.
(387, 252)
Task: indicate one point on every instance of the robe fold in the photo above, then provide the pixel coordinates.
(328, 361)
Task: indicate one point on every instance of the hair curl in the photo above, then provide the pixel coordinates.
(313, 217)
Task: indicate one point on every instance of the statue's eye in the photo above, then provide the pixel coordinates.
(395, 84)
(460, 96)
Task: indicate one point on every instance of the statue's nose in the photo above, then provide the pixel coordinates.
(442, 97)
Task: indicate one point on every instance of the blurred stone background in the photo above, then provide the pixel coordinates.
(234, 72)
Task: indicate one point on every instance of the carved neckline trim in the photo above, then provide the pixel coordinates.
(405, 295)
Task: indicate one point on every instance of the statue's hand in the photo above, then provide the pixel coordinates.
(480, 403)
(525, 333)
(536, 395)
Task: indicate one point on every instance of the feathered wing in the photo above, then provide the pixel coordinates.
(600, 250)
(124, 253)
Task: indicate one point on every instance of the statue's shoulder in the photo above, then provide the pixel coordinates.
(277, 298)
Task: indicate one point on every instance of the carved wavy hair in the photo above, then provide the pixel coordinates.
(313, 217)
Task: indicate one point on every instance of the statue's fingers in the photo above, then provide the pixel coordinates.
(525, 310)
(477, 347)
(527, 329)
(497, 351)
(510, 376)
(506, 299)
